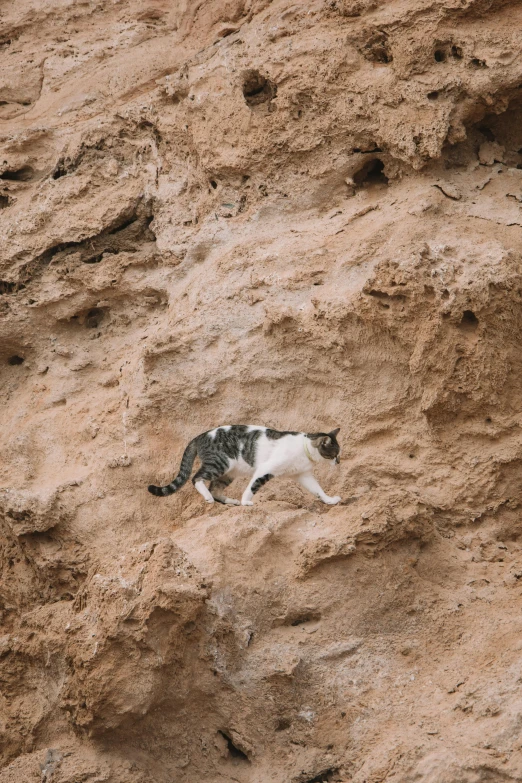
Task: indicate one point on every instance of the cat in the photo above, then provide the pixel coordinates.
(259, 452)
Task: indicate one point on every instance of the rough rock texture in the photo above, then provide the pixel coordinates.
(303, 215)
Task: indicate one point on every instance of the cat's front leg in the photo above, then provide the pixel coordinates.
(309, 482)
(259, 478)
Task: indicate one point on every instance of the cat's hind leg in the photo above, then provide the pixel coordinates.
(309, 482)
(202, 489)
(259, 478)
(216, 487)
(207, 472)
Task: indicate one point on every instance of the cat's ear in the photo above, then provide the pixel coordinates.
(326, 440)
(333, 433)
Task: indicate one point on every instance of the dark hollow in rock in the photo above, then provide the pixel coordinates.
(226, 31)
(283, 724)
(60, 170)
(126, 223)
(476, 63)
(257, 88)
(4, 202)
(14, 360)
(305, 617)
(213, 184)
(234, 751)
(433, 95)
(327, 776)
(377, 49)
(469, 321)
(7, 287)
(371, 173)
(18, 175)
(95, 259)
(439, 55)
(125, 234)
(486, 132)
(456, 52)
(94, 317)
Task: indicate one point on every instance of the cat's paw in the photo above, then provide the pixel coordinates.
(209, 500)
(333, 501)
(247, 503)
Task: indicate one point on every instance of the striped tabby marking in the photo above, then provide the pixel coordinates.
(258, 483)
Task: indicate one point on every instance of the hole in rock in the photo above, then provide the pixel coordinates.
(486, 132)
(18, 175)
(9, 288)
(257, 88)
(226, 31)
(305, 617)
(377, 49)
(488, 419)
(213, 184)
(433, 95)
(14, 360)
(456, 52)
(439, 55)
(94, 317)
(476, 63)
(59, 170)
(124, 225)
(469, 320)
(283, 724)
(327, 776)
(372, 173)
(235, 752)
(95, 259)
(4, 202)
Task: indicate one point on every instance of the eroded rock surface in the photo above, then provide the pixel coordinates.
(303, 215)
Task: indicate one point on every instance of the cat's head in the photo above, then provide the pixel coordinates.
(327, 445)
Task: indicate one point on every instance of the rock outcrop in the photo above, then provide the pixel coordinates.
(303, 215)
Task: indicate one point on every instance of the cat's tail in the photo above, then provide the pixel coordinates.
(185, 469)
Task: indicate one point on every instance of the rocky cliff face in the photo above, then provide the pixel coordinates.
(303, 215)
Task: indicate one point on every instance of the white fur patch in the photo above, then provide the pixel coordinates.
(201, 488)
(212, 434)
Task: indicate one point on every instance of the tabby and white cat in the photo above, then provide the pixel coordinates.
(258, 452)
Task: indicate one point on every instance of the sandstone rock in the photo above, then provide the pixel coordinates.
(25, 512)
(491, 152)
(271, 213)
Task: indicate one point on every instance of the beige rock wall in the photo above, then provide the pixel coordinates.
(303, 215)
